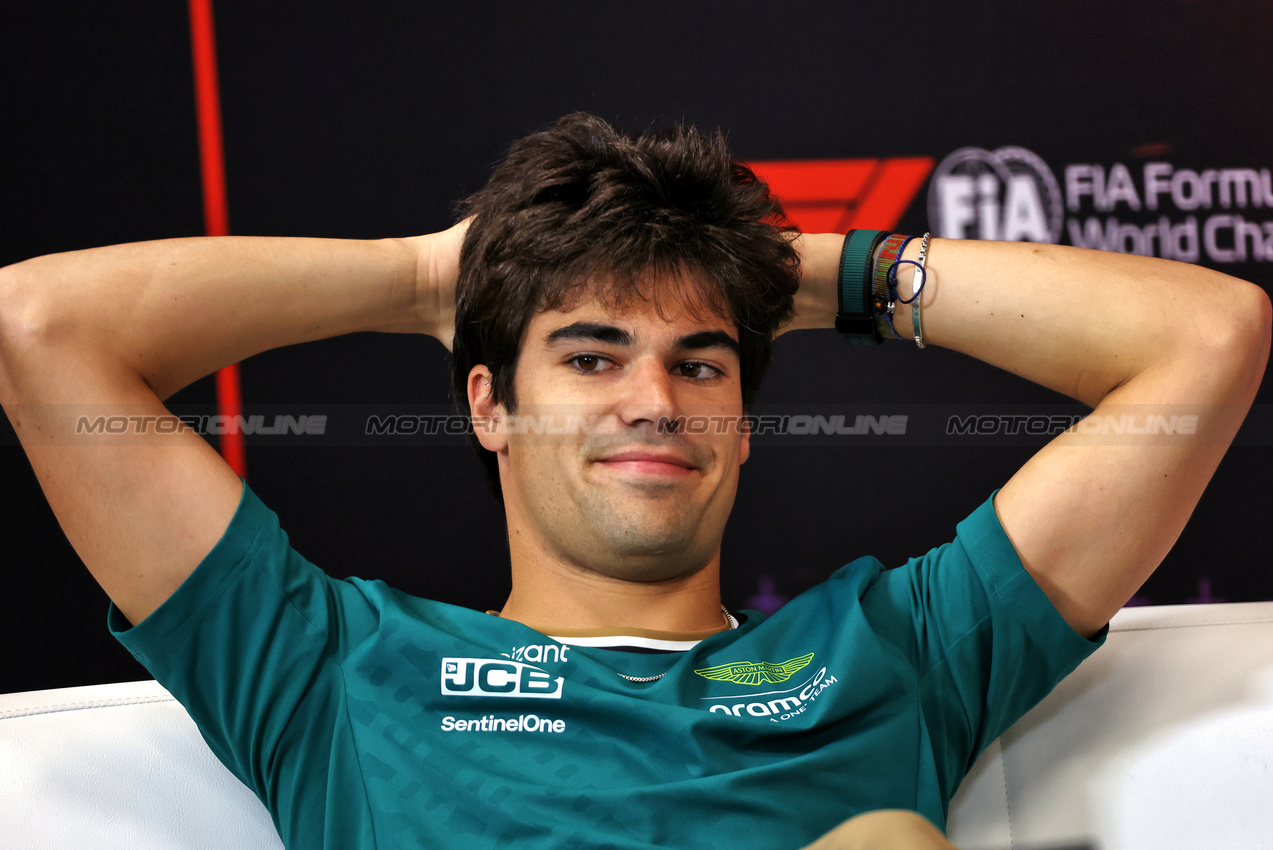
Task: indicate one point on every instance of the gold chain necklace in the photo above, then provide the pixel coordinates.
(729, 624)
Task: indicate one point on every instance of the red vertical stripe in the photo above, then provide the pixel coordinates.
(208, 106)
(216, 213)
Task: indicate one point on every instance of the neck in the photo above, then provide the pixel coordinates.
(549, 595)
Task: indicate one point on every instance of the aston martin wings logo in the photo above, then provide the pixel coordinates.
(755, 672)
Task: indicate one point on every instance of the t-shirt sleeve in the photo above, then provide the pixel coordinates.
(986, 642)
(251, 644)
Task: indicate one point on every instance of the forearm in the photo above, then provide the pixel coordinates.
(1090, 515)
(1079, 322)
(176, 310)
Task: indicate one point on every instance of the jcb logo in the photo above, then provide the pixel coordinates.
(488, 677)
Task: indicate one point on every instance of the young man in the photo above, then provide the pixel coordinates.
(631, 286)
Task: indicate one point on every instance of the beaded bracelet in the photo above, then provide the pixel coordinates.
(883, 292)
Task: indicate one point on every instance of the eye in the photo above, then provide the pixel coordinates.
(587, 363)
(697, 370)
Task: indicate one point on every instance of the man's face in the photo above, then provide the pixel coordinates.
(626, 456)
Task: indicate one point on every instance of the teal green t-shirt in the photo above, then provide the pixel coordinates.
(363, 717)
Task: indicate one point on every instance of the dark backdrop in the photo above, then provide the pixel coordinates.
(371, 119)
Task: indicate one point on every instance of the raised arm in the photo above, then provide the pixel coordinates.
(122, 328)
(1090, 515)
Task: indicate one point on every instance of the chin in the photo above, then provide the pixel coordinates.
(647, 557)
(648, 570)
(637, 539)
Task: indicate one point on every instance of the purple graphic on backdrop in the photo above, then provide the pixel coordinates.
(766, 600)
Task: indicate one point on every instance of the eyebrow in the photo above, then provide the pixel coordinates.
(612, 335)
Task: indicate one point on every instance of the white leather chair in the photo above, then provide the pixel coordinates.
(1163, 739)
(118, 766)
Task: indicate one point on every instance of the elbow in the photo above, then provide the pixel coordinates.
(1255, 328)
(1238, 338)
(1263, 334)
(22, 316)
(25, 322)
(14, 319)
(17, 318)
(1264, 315)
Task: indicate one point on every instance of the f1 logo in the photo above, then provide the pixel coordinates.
(837, 195)
(489, 677)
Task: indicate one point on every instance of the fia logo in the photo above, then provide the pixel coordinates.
(1009, 194)
(490, 677)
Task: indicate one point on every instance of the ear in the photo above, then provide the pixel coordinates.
(744, 447)
(489, 418)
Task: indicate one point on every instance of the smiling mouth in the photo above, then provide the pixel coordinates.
(647, 466)
(648, 463)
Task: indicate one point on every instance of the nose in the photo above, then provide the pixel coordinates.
(648, 394)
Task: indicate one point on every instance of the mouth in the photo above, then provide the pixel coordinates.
(646, 462)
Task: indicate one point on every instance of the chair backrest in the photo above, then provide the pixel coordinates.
(118, 766)
(1163, 740)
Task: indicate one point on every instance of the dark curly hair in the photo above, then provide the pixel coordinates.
(584, 209)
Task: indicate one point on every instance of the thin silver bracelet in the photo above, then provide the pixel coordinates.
(923, 280)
